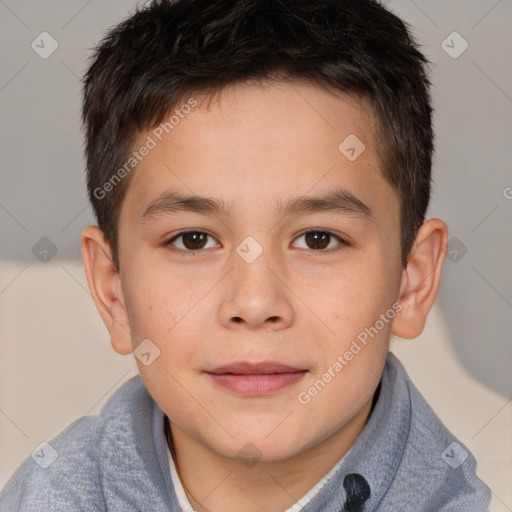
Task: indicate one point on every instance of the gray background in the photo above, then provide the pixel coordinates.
(43, 191)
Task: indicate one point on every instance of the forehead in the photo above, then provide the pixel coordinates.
(254, 143)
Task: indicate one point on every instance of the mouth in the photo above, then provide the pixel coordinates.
(256, 379)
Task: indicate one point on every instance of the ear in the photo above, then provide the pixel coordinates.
(420, 278)
(105, 287)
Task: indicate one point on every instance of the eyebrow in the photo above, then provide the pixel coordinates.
(340, 200)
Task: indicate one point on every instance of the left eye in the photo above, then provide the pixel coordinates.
(319, 240)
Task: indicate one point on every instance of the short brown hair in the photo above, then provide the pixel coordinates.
(168, 50)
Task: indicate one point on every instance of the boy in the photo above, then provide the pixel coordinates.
(260, 173)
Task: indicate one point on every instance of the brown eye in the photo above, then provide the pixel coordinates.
(320, 240)
(194, 240)
(190, 241)
(317, 239)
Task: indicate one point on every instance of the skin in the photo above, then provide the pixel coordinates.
(254, 145)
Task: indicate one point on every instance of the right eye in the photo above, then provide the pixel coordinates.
(192, 241)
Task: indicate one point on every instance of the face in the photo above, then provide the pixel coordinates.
(288, 254)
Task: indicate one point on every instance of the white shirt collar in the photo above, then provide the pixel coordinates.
(299, 505)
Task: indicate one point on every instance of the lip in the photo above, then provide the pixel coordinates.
(248, 368)
(256, 379)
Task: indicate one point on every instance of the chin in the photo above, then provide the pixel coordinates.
(259, 446)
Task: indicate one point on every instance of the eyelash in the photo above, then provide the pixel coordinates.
(342, 242)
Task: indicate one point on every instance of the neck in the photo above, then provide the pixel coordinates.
(214, 483)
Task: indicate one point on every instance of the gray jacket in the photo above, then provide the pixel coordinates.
(403, 460)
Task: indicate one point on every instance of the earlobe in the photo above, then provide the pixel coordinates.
(420, 279)
(105, 287)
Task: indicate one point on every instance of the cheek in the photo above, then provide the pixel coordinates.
(166, 312)
(357, 293)
(350, 368)
(358, 309)
(154, 304)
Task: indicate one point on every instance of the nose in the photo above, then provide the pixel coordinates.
(256, 295)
